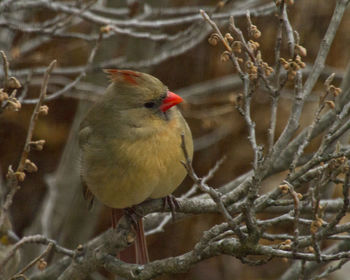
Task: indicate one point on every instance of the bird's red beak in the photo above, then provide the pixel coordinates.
(171, 100)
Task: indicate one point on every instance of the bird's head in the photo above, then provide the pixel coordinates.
(136, 90)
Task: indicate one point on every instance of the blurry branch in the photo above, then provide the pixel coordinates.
(115, 24)
(194, 94)
(37, 110)
(283, 22)
(6, 67)
(213, 137)
(184, 40)
(215, 195)
(77, 79)
(36, 239)
(163, 11)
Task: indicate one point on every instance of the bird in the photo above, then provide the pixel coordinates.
(131, 145)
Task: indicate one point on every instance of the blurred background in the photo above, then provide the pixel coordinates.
(171, 45)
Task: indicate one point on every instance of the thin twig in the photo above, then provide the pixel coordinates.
(6, 67)
(13, 179)
(214, 194)
(76, 80)
(34, 261)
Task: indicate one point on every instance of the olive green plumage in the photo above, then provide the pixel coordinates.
(131, 149)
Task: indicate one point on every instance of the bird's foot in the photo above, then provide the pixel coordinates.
(173, 204)
(133, 216)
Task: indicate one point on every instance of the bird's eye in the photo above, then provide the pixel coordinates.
(149, 104)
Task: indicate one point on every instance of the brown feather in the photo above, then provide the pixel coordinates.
(127, 75)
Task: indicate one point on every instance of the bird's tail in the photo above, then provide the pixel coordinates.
(141, 250)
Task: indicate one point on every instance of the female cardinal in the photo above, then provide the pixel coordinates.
(131, 144)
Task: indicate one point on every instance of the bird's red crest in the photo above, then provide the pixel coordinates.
(127, 75)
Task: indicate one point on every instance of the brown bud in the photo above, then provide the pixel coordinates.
(330, 103)
(254, 31)
(105, 29)
(20, 176)
(337, 91)
(3, 95)
(13, 83)
(237, 46)
(315, 225)
(253, 76)
(213, 39)
(80, 247)
(225, 56)
(37, 145)
(286, 245)
(13, 104)
(30, 166)
(254, 70)
(41, 264)
(229, 37)
(313, 228)
(294, 66)
(334, 90)
(300, 50)
(44, 110)
(253, 45)
(310, 249)
(268, 71)
(300, 196)
(284, 63)
(284, 188)
(10, 173)
(300, 62)
(130, 238)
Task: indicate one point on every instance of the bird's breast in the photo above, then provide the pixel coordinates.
(138, 168)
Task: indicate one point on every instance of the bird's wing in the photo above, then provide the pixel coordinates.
(84, 135)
